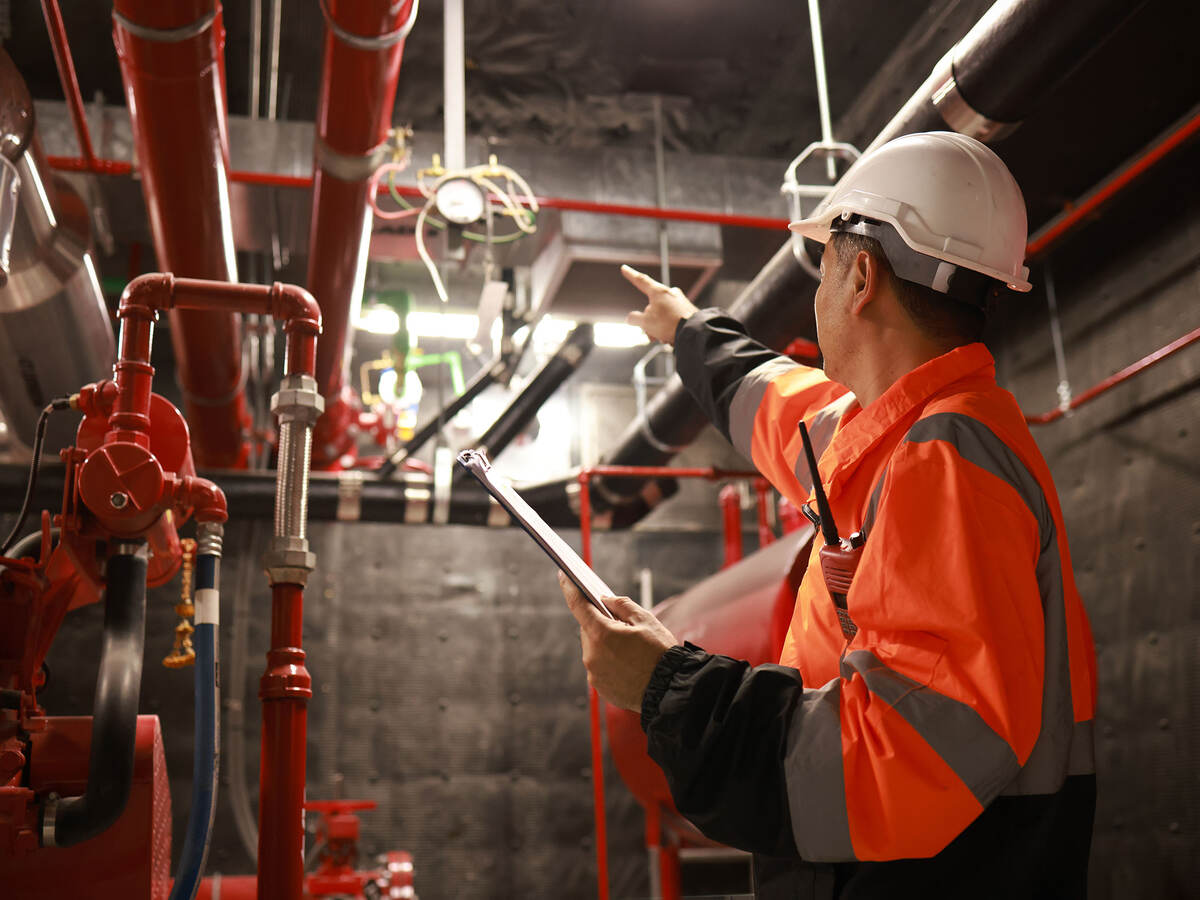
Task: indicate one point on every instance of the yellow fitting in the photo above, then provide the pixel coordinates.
(183, 654)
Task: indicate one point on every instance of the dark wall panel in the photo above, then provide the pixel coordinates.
(1128, 475)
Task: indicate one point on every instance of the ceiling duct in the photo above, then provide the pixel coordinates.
(575, 275)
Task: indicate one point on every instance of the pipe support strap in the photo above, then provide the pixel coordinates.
(954, 109)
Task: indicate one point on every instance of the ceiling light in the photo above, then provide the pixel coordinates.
(619, 335)
(378, 319)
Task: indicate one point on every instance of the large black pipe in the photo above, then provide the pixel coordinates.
(1015, 55)
(73, 820)
(521, 411)
(483, 379)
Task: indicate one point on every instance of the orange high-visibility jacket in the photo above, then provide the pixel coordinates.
(972, 674)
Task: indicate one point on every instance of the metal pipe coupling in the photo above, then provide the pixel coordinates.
(210, 537)
(297, 404)
(288, 560)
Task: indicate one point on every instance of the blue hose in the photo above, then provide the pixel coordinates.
(205, 757)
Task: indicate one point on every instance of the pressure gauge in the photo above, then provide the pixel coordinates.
(460, 201)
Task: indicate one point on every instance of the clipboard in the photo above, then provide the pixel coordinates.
(589, 583)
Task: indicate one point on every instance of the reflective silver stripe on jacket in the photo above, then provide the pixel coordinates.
(747, 399)
(820, 433)
(816, 782)
(1062, 747)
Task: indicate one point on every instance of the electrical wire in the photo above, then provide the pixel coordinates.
(410, 210)
(38, 439)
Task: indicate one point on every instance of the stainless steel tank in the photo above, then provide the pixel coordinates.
(55, 331)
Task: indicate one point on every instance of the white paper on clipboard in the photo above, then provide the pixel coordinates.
(589, 583)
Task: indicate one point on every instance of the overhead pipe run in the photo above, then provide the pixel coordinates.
(1016, 54)
(172, 64)
(364, 42)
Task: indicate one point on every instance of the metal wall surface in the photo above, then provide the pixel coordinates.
(1128, 477)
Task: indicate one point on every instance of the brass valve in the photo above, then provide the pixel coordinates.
(183, 654)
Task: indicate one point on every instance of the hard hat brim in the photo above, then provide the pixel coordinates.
(816, 228)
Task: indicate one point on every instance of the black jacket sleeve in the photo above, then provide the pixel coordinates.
(713, 354)
(718, 728)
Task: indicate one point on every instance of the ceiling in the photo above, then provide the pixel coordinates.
(736, 78)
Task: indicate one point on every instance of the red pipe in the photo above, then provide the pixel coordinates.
(710, 474)
(731, 518)
(171, 58)
(762, 490)
(1113, 380)
(601, 819)
(286, 685)
(354, 113)
(66, 75)
(1114, 184)
(285, 689)
(585, 537)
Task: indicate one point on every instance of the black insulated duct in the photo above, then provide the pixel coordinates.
(524, 407)
(72, 820)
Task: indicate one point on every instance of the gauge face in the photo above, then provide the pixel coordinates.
(460, 201)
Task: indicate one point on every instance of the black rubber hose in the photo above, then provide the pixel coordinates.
(114, 712)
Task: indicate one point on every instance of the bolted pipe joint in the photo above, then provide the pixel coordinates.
(288, 560)
(298, 400)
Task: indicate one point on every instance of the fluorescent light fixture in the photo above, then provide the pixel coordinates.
(443, 325)
(619, 335)
(378, 319)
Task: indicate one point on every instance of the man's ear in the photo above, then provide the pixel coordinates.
(866, 277)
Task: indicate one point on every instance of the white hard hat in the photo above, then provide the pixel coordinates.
(951, 200)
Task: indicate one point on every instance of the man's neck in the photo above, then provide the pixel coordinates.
(885, 363)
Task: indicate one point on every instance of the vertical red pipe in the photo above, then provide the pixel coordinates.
(171, 57)
(731, 519)
(66, 75)
(762, 490)
(585, 538)
(285, 689)
(363, 45)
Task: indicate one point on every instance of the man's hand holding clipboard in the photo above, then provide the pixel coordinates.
(622, 642)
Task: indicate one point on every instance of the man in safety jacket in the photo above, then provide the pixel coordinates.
(936, 738)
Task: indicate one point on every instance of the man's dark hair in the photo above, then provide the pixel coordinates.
(938, 317)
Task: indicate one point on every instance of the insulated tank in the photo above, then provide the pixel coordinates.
(742, 611)
(55, 332)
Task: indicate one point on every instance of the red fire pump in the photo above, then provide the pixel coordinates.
(90, 794)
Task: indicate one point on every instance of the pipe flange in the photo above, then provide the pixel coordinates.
(960, 115)
(371, 42)
(349, 166)
(298, 400)
(166, 35)
(417, 499)
(49, 811)
(289, 561)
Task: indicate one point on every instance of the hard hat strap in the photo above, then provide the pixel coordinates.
(956, 282)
